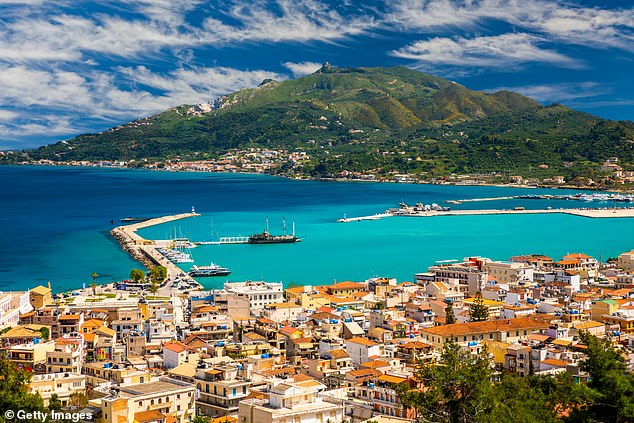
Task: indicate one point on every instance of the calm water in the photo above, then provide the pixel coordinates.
(55, 224)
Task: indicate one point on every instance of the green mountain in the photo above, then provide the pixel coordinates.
(375, 120)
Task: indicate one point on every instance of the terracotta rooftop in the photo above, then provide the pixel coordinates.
(347, 285)
(362, 341)
(337, 354)
(175, 346)
(459, 329)
(148, 416)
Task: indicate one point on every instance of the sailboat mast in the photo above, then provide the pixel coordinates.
(267, 224)
(284, 226)
(293, 228)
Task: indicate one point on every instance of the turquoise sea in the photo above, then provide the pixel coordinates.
(55, 223)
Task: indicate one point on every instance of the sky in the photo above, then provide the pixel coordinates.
(72, 67)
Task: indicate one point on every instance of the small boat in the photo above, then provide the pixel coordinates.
(134, 219)
(211, 270)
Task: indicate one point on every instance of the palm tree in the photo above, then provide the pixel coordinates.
(94, 276)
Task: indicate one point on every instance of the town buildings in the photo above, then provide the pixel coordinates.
(256, 352)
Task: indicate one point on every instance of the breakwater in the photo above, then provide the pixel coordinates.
(614, 212)
(144, 250)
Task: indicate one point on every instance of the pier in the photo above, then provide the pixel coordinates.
(360, 218)
(583, 212)
(145, 250)
(226, 240)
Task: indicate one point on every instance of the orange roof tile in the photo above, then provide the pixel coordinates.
(148, 416)
(174, 346)
(392, 379)
(459, 329)
(69, 317)
(555, 362)
(337, 354)
(374, 364)
(362, 341)
(347, 285)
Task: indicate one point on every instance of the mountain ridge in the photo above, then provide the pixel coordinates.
(367, 119)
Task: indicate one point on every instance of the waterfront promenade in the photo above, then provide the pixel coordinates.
(145, 250)
(583, 212)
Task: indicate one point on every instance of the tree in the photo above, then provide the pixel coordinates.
(456, 389)
(137, 275)
(612, 387)
(14, 388)
(201, 419)
(478, 311)
(158, 274)
(154, 287)
(94, 276)
(54, 404)
(78, 400)
(45, 333)
(450, 317)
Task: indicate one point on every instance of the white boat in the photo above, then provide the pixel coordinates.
(211, 270)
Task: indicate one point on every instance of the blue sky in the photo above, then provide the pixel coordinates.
(71, 67)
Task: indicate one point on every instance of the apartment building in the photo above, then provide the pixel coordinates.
(164, 399)
(296, 402)
(219, 389)
(259, 293)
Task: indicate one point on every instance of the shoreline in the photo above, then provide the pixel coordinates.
(311, 178)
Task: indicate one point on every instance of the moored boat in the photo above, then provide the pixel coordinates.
(211, 270)
(266, 238)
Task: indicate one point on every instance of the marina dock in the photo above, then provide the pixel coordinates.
(583, 212)
(145, 250)
(360, 218)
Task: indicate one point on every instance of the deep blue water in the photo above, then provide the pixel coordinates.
(55, 224)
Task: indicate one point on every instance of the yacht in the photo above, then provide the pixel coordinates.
(211, 270)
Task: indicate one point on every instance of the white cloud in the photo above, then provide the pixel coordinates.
(296, 20)
(55, 102)
(302, 68)
(562, 92)
(8, 115)
(45, 35)
(496, 51)
(556, 20)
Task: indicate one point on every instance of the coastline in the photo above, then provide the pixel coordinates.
(318, 179)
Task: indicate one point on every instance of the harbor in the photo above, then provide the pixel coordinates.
(147, 251)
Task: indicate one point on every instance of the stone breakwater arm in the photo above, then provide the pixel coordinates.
(614, 212)
(144, 250)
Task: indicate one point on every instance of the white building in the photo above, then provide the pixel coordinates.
(508, 272)
(470, 279)
(259, 293)
(12, 304)
(295, 402)
(62, 384)
(362, 350)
